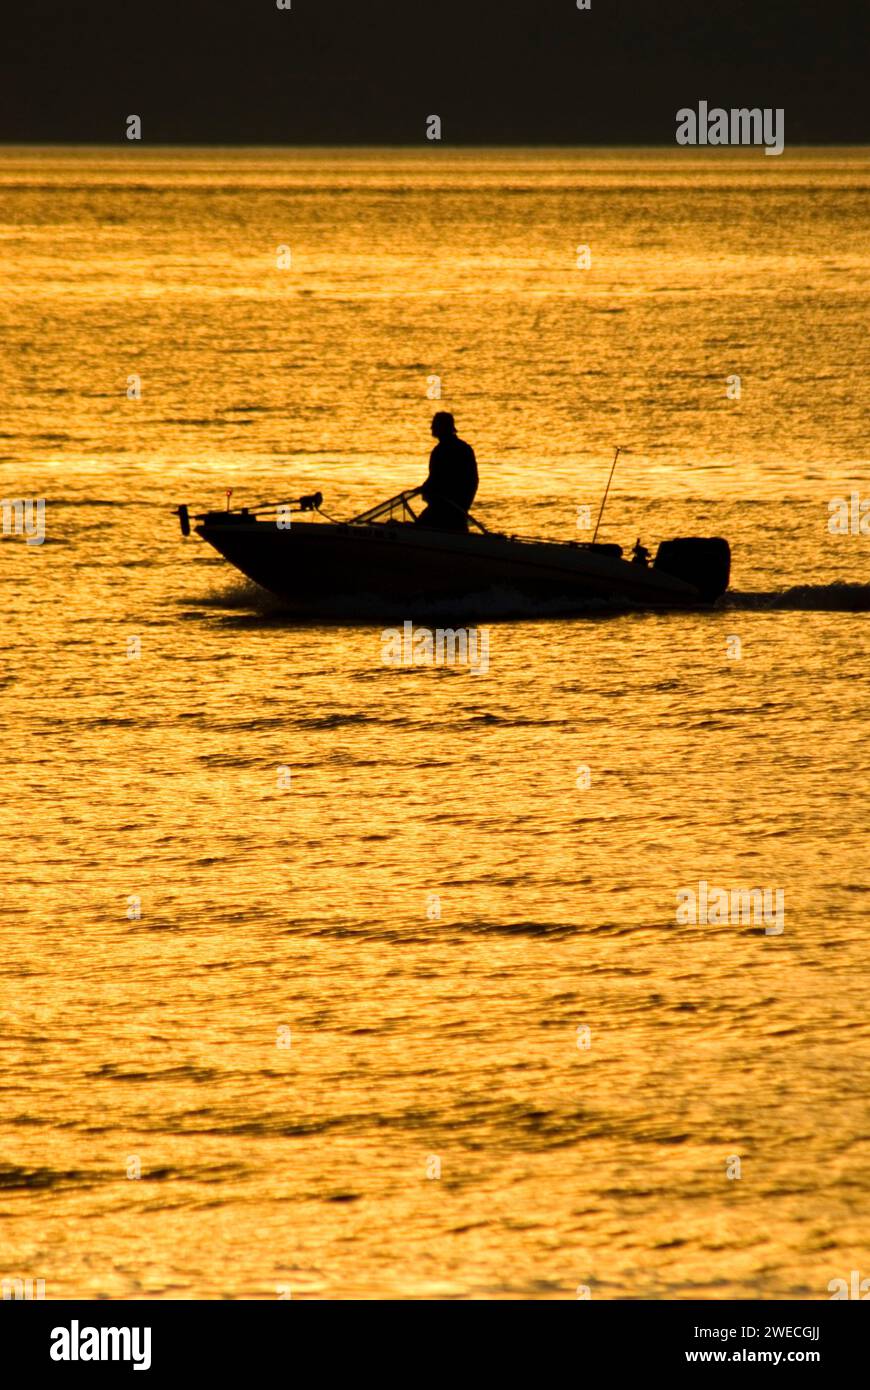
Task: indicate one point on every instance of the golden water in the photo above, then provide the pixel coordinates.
(149, 700)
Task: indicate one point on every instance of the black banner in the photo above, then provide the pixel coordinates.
(230, 1338)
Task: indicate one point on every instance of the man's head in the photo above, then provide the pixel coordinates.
(443, 424)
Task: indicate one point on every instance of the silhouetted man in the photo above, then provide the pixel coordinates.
(452, 483)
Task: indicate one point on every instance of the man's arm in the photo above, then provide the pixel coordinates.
(427, 489)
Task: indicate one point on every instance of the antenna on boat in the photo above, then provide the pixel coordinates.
(606, 490)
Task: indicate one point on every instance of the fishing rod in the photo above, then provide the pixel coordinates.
(619, 450)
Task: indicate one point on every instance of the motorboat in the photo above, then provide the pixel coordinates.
(382, 563)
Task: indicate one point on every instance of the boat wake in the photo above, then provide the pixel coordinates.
(248, 603)
(810, 598)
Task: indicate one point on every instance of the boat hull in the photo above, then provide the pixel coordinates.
(398, 570)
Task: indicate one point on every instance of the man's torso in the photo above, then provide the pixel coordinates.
(452, 473)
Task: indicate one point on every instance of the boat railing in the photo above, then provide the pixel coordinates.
(384, 511)
(271, 511)
(262, 511)
(402, 501)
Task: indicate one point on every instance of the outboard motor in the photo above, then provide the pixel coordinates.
(702, 561)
